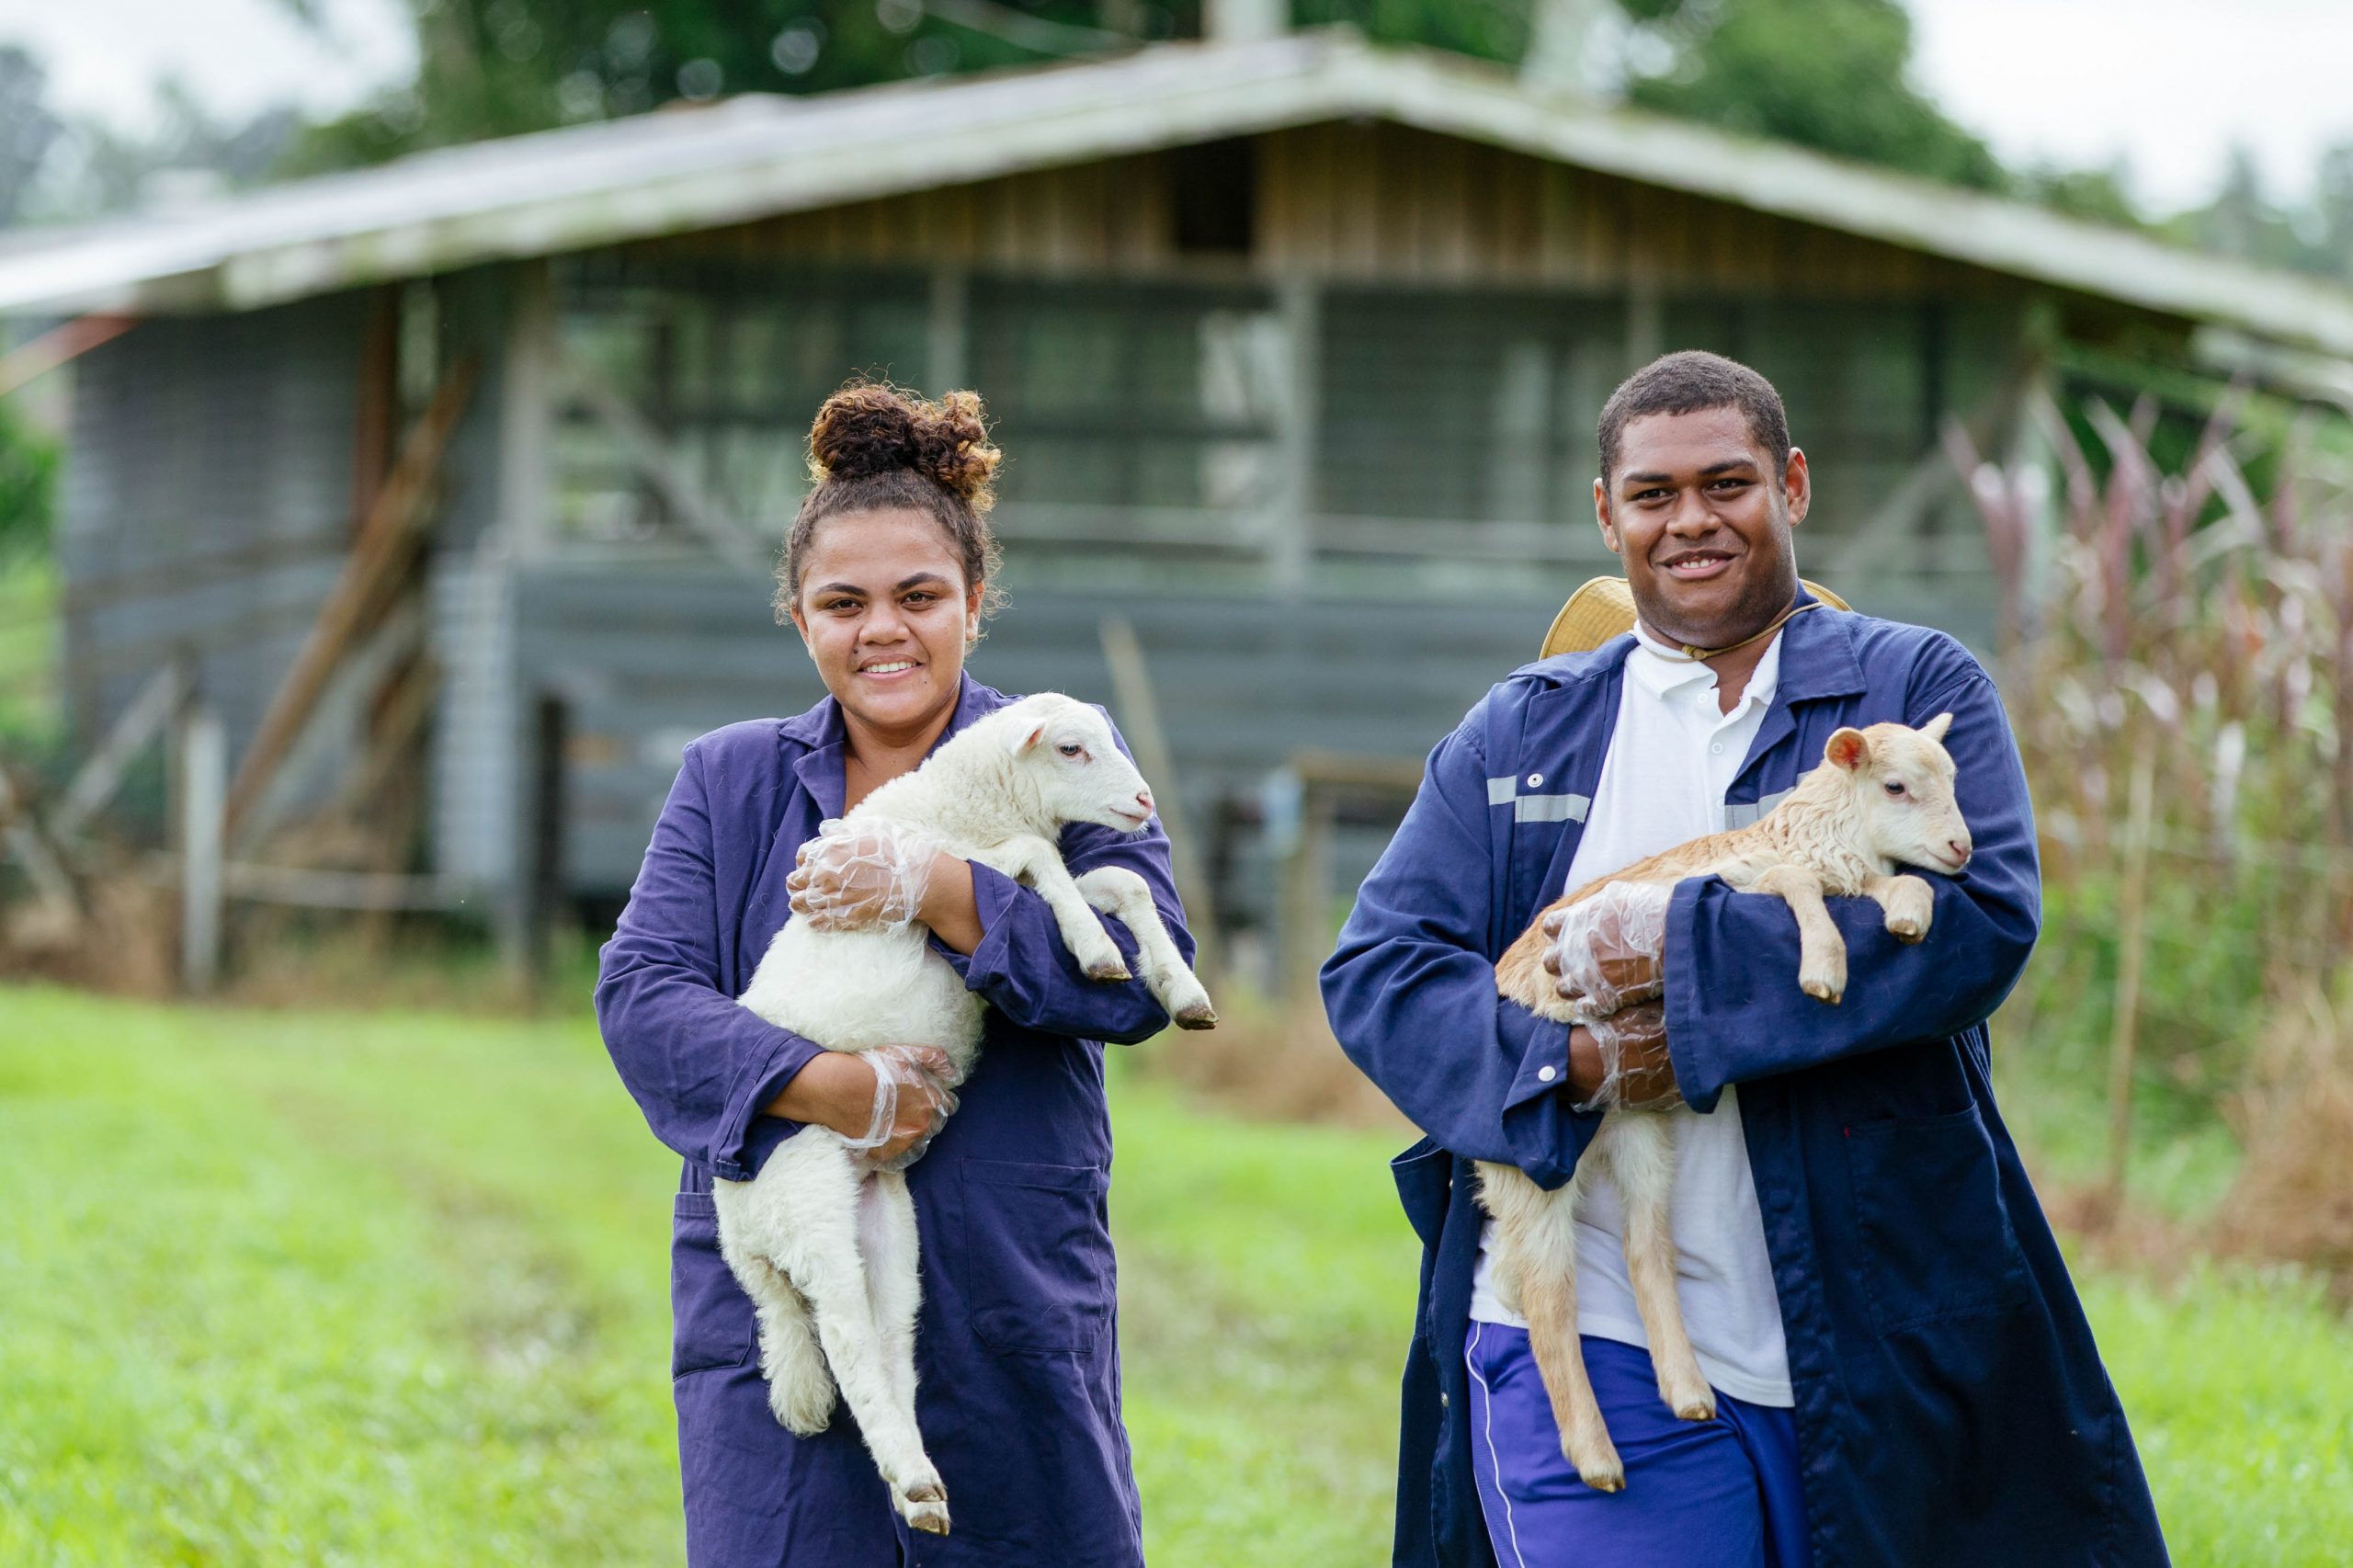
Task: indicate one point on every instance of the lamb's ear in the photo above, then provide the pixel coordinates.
(1024, 739)
(1934, 728)
(1848, 749)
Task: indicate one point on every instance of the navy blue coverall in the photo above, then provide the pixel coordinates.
(1016, 1349)
(1952, 1408)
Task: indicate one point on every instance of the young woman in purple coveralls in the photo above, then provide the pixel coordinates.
(888, 570)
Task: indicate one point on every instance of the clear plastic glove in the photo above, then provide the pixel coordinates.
(1610, 950)
(863, 876)
(914, 1093)
(1629, 1065)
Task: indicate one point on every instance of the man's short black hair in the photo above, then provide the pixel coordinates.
(1687, 382)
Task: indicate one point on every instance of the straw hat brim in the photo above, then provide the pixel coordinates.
(1604, 608)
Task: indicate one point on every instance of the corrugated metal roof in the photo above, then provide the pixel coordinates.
(682, 169)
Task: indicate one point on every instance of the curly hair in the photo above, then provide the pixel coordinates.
(874, 447)
(1687, 382)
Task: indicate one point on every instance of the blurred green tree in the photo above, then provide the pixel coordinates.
(501, 67)
(1830, 74)
(27, 486)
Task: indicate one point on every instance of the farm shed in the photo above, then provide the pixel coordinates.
(1297, 347)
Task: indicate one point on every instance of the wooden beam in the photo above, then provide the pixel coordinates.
(387, 547)
(102, 775)
(59, 345)
(642, 444)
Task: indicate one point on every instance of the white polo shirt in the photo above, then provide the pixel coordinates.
(1671, 756)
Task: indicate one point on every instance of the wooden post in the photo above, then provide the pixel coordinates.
(1305, 887)
(947, 330)
(204, 782)
(527, 403)
(1291, 532)
(2132, 951)
(1140, 718)
(539, 882)
(1645, 323)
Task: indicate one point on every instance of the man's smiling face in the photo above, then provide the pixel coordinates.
(1701, 514)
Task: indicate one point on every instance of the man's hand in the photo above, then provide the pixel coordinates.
(1610, 950)
(887, 1104)
(1621, 1061)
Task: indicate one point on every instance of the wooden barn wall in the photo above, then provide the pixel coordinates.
(646, 663)
(208, 502)
(1111, 216)
(1365, 202)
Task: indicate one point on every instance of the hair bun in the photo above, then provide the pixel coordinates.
(872, 428)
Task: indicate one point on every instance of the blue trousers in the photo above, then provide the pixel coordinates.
(1719, 1493)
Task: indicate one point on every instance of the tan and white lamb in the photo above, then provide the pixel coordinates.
(1879, 798)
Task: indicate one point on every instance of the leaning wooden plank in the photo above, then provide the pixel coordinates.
(94, 784)
(387, 546)
(60, 345)
(31, 850)
(313, 755)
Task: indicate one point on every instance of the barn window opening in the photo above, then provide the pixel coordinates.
(1216, 190)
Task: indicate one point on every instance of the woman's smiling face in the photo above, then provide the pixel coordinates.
(886, 614)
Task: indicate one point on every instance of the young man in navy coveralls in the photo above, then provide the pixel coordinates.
(1905, 1374)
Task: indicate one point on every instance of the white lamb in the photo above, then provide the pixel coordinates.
(1880, 798)
(823, 1244)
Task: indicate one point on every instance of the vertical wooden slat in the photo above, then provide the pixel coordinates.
(204, 782)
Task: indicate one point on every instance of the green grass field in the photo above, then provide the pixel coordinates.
(391, 1289)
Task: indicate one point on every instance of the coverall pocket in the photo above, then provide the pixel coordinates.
(1937, 1236)
(1037, 1268)
(711, 1316)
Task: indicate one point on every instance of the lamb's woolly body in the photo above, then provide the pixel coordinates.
(859, 989)
(1831, 836)
(827, 1250)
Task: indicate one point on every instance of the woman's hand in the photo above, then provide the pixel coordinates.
(888, 1104)
(864, 876)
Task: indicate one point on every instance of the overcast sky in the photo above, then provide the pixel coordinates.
(2167, 85)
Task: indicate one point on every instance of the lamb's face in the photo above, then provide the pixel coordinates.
(1903, 783)
(1080, 772)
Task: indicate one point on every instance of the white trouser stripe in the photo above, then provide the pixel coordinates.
(1511, 1527)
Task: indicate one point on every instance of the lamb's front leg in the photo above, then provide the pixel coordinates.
(1909, 904)
(1822, 951)
(1115, 890)
(1031, 860)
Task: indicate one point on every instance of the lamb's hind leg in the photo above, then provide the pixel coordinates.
(887, 1237)
(1115, 890)
(1642, 1161)
(808, 1227)
(1822, 951)
(801, 1388)
(1537, 1255)
(1031, 860)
